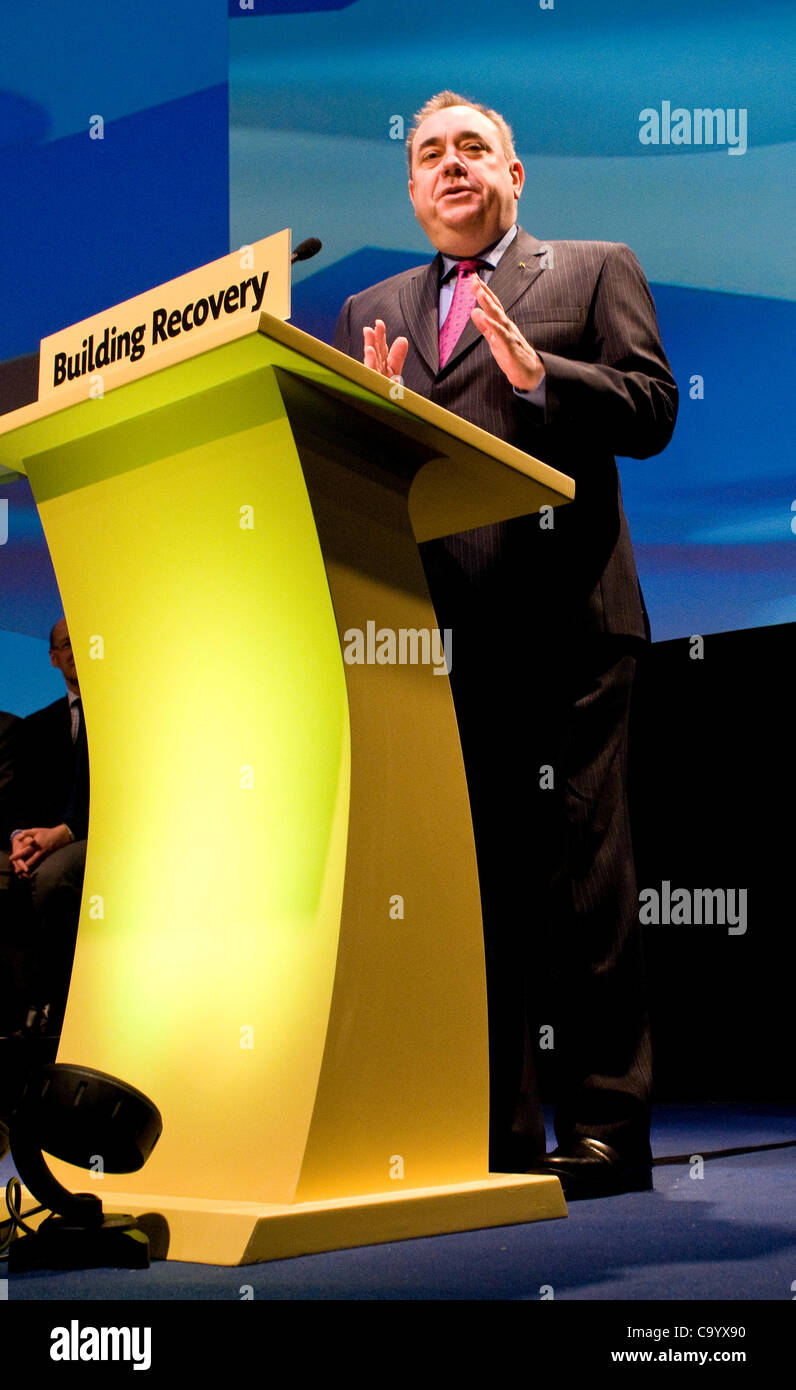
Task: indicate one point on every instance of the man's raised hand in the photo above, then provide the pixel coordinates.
(512, 352)
(388, 361)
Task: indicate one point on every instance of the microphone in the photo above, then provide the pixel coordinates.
(305, 249)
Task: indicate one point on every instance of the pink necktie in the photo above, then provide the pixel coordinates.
(462, 305)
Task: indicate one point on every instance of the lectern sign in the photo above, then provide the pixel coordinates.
(251, 279)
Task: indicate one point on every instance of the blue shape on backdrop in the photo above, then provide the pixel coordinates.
(317, 300)
(242, 9)
(22, 121)
(92, 222)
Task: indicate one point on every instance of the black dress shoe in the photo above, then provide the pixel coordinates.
(589, 1168)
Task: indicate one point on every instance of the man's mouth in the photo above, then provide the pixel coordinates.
(453, 192)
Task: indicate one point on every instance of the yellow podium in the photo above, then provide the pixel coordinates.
(280, 939)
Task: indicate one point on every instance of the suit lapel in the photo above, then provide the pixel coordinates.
(419, 300)
(521, 263)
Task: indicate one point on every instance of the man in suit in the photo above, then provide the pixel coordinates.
(9, 963)
(50, 801)
(555, 348)
(9, 733)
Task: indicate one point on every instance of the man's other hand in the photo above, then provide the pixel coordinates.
(388, 361)
(513, 353)
(31, 846)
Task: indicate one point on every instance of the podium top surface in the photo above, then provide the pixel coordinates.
(468, 465)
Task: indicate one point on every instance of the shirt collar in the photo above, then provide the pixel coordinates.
(491, 255)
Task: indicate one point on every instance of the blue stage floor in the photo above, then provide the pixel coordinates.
(728, 1235)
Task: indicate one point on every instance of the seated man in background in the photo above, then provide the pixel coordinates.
(9, 731)
(49, 804)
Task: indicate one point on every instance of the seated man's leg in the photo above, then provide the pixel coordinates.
(15, 965)
(56, 892)
(7, 1009)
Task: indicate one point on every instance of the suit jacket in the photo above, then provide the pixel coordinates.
(50, 779)
(9, 732)
(587, 309)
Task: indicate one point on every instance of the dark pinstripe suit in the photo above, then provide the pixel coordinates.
(51, 787)
(546, 626)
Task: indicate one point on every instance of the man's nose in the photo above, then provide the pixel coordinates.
(452, 161)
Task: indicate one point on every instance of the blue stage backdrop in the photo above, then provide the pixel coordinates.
(223, 125)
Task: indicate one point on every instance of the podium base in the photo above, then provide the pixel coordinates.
(241, 1233)
(117, 1242)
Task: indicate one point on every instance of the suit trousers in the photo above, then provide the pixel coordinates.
(544, 729)
(43, 913)
(56, 890)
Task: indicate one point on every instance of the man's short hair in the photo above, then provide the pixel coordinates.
(445, 99)
(52, 633)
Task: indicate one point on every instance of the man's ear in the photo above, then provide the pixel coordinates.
(412, 192)
(517, 176)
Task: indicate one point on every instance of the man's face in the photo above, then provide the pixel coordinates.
(61, 655)
(463, 189)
